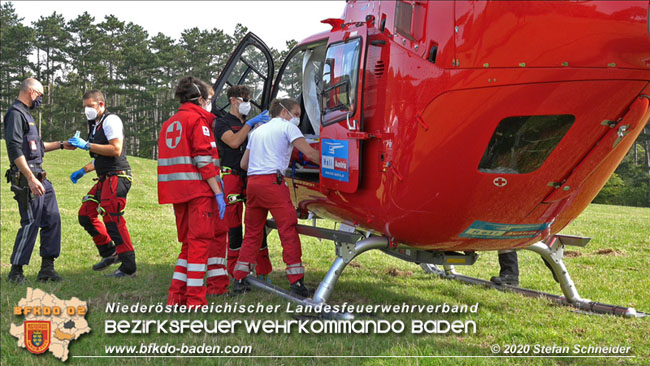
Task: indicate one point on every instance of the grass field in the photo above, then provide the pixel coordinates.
(613, 269)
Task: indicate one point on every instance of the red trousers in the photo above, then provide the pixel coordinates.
(196, 222)
(234, 189)
(109, 195)
(264, 195)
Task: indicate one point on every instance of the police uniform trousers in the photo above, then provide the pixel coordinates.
(264, 195)
(108, 198)
(38, 212)
(203, 246)
(234, 190)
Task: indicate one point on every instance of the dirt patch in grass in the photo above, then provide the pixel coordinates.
(609, 251)
(570, 253)
(355, 265)
(399, 273)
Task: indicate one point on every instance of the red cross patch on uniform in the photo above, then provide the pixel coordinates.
(32, 145)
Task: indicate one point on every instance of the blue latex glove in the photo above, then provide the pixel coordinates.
(74, 177)
(260, 118)
(77, 141)
(221, 203)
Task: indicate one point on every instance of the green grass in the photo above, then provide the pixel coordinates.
(503, 318)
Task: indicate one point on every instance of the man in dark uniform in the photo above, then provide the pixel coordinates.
(34, 193)
(231, 132)
(108, 196)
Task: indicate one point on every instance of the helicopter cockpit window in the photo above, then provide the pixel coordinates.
(340, 77)
(520, 145)
(250, 70)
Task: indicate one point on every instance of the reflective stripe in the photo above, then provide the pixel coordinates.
(242, 267)
(182, 263)
(194, 267)
(294, 265)
(180, 276)
(179, 176)
(217, 272)
(175, 161)
(195, 281)
(217, 162)
(201, 161)
(216, 260)
(295, 270)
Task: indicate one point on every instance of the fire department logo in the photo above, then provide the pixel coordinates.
(173, 134)
(37, 336)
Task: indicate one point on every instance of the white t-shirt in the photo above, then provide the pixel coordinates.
(112, 126)
(270, 146)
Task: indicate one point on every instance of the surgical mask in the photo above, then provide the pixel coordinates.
(37, 103)
(91, 113)
(207, 107)
(244, 108)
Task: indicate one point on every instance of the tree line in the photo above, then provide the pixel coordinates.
(138, 72)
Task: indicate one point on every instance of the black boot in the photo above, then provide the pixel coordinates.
(128, 267)
(240, 286)
(106, 262)
(298, 288)
(47, 272)
(16, 275)
(509, 272)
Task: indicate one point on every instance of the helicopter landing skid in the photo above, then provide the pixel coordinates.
(552, 253)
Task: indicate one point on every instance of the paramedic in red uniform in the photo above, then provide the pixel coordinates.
(188, 178)
(231, 132)
(266, 158)
(108, 196)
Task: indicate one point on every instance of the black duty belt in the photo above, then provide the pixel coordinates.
(119, 173)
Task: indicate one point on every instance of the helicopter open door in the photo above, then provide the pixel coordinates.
(250, 64)
(342, 109)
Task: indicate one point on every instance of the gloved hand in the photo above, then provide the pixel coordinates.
(221, 203)
(260, 118)
(74, 177)
(77, 141)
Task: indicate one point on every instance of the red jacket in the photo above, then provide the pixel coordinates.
(187, 155)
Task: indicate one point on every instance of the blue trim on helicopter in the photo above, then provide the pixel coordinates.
(490, 230)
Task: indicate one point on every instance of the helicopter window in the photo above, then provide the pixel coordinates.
(250, 70)
(340, 77)
(520, 145)
(291, 78)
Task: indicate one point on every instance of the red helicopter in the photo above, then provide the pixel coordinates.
(450, 127)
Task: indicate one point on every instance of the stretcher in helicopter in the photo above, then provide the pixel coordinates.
(452, 127)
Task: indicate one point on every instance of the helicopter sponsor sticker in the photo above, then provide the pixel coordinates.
(335, 160)
(490, 230)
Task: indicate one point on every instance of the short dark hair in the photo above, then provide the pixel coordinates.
(277, 104)
(241, 91)
(94, 94)
(190, 89)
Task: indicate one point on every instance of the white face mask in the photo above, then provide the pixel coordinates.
(244, 108)
(293, 120)
(91, 113)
